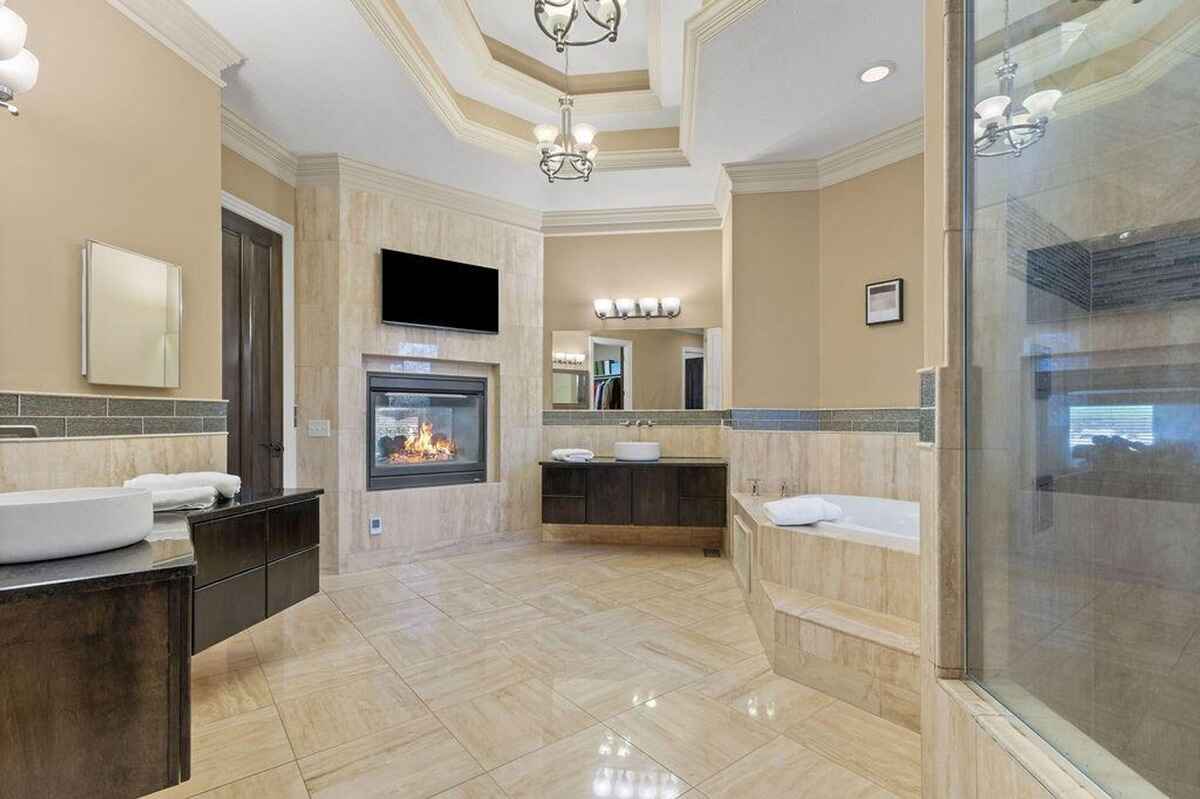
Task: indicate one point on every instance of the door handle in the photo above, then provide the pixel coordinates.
(275, 447)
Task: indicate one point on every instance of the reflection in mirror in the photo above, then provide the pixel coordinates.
(636, 369)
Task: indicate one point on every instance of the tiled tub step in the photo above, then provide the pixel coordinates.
(863, 657)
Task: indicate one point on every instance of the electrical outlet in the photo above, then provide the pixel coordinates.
(376, 527)
(319, 428)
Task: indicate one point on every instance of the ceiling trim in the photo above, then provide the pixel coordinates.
(398, 34)
(764, 177)
(257, 147)
(352, 175)
(661, 219)
(700, 29)
(174, 24)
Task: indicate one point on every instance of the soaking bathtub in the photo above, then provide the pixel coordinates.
(891, 523)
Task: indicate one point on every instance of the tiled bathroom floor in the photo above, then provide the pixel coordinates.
(537, 672)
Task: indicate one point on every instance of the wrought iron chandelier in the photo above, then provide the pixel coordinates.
(999, 129)
(567, 149)
(557, 19)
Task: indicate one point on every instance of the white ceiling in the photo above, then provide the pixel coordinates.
(781, 83)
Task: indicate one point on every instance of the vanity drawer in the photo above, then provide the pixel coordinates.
(655, 495)
(228, 546)
(609, 495)
(292, 579)
(226, 608)
(564, 482)
(292, 528)
(564, 510)
(701, 512)
(702, 481)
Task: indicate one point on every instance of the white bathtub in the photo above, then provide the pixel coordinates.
(891, 523)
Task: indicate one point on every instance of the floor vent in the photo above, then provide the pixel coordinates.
(712, 553)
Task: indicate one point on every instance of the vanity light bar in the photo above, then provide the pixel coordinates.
(628, 308)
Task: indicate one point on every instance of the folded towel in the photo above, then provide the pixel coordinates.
(227, 485)
(184, 498)
(802, 510)
(573, 455)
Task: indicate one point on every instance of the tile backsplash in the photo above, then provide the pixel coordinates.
(84, 416)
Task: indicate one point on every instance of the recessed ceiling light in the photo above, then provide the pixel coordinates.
(877, 72)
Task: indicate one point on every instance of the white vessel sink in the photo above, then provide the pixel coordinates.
(62, 523)
(637, 450)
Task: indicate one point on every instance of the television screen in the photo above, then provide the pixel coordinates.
(432, 292)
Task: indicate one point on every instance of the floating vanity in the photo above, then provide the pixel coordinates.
(672, 501)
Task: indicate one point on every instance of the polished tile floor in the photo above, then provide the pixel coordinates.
(536, 672)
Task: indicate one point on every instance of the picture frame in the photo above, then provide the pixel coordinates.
(884, 302)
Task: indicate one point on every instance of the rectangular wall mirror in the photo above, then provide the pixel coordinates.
(132, 314)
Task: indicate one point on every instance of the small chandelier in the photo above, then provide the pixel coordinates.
(18, 66)
(998, 130)
(556, 18)
(568, 151)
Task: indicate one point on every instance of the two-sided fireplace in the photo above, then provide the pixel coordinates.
(424, 430)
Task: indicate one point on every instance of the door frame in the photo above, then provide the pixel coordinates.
(287, 232)
(687, 354)
(626, 368)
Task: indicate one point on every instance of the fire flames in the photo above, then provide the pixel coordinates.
(424, 447)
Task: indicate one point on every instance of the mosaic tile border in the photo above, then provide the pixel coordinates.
(866, 420)
(87, 415)
(927, 423)
(602, 418)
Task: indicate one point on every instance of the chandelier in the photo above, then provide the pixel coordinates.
(18, 66)
(557, 18)
(1000, 130)
(567, 149)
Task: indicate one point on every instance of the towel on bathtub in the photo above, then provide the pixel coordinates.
(801, 510)
(573, 455)
(227, 485)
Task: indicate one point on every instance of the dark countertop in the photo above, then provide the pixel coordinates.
(167, 550)
(659, 462)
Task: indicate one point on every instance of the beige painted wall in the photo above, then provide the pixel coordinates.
(578, 269)
(775, 302)
(119, 142)
(248, 181)
(871, 230)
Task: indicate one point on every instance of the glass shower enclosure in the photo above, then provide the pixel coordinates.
(1082, 235)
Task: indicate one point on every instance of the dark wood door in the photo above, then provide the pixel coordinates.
(609, 497)
(656, 495)
(252, 349)
(693, 384)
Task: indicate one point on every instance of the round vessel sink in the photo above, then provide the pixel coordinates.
(637, 450)
(63, 523)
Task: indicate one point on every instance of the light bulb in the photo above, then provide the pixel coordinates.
(670, 306)
(590, 152)
(992, 108)
(649, 306)
(545, 134)
(1041, 104)
(980, 128)
(603, 308)
(559, 16)
(584, 134)
(625, 306)
(12, 33)
(20, 73)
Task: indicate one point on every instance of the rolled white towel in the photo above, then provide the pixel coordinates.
(802, 510)
(227, 485)
(195, 498)
(573, 455)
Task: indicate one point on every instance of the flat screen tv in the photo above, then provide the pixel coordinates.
(432, 292)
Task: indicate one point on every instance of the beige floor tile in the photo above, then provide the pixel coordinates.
(752, 688)
(456, 678)
(230, 655)
(288, 636)
(733, 629)
(293, 677)
(593, 763)
(620, 626)
(612, 685)
(340, 582)
(283, 782)
(492, 624)
(418, 643)
(358, 603)
(358, 707)
(415, 760)
(538, 585)
(390, 618)
(443, 583)
(679, 610)
(784, 768)
(685, 651)
(691, 735)
(425, 569)
(555, 650)
(501, 726)
(571, 603)
(681, 578)
(233, 748)
(482, 787)
(887, 754)
(223, 695)
(588, 575)
(465, 601)
(628, 590)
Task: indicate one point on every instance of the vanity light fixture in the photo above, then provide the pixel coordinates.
(645, 308)
(877, 72)
(569, 358)
(18, 66)
(557, 18)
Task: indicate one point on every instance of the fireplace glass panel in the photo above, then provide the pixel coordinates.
(423, 429)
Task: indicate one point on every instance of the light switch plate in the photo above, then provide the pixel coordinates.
(319, 428)
(376, 527)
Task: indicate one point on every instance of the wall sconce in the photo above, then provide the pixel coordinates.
(569, 359)
(645, 308)
(18, 66)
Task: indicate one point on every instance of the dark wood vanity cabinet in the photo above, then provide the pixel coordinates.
(660, 494)
(251, 563)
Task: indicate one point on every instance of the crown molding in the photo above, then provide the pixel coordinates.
(700, 29)
(661, 219)
(764, 177)
(617, 160)
(174, 24)
(257, 147)
(348, 174)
